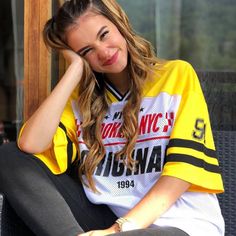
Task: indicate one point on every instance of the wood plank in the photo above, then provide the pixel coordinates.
(62, 65)
(37, 59)
(45, 55)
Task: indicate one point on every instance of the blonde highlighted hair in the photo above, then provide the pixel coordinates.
(93, 102)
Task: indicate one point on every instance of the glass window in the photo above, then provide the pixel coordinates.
(201, 32)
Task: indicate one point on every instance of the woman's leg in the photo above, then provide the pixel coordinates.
(50, 205)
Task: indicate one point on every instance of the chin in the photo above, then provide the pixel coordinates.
(120, 68)
(117, 70)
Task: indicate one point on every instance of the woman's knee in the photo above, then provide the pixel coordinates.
(8, 152)
(8, 147)
(11, 159)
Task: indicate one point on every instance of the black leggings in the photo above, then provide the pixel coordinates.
(54, 205)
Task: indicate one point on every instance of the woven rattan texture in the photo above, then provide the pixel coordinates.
(226, 149)
(10, 223)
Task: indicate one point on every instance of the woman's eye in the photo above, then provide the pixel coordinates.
(85, 52)
(104, 34)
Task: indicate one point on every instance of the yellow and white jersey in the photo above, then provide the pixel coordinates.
(175, 139)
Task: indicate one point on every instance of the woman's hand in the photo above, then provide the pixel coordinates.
(111, 230)
(72, 57)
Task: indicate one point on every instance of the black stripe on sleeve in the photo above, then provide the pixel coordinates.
(193, 161)
(69, 146)
(193, 145)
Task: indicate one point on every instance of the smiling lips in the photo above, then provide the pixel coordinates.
(112, 60)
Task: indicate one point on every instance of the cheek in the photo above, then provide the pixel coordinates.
(120, 40)
(123, 45)
(93, 62)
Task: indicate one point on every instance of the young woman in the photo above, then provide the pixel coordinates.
(136, 128)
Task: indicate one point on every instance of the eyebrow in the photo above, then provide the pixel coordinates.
(99, 32)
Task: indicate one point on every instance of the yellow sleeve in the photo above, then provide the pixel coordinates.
(64, 144)
(190, 154)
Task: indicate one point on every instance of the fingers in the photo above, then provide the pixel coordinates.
(71, 56)
(85, 234)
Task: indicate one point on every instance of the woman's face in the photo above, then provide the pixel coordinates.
(99, 41)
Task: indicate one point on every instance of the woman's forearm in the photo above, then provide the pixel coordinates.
(157, 201)
(40, 128)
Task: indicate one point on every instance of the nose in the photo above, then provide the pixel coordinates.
(103, 53)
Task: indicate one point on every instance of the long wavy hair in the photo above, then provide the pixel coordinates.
(93, 103)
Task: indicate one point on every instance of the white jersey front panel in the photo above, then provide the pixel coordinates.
(119, 187)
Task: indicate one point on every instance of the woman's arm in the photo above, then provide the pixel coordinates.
(156, 202)
(39, 130)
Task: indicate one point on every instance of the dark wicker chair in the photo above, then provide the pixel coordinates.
(226, 148)
(220, 90)
(10, 223)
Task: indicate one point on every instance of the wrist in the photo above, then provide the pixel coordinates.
(76, 67)
(114, 229)
(124, 224)
(73, 73)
